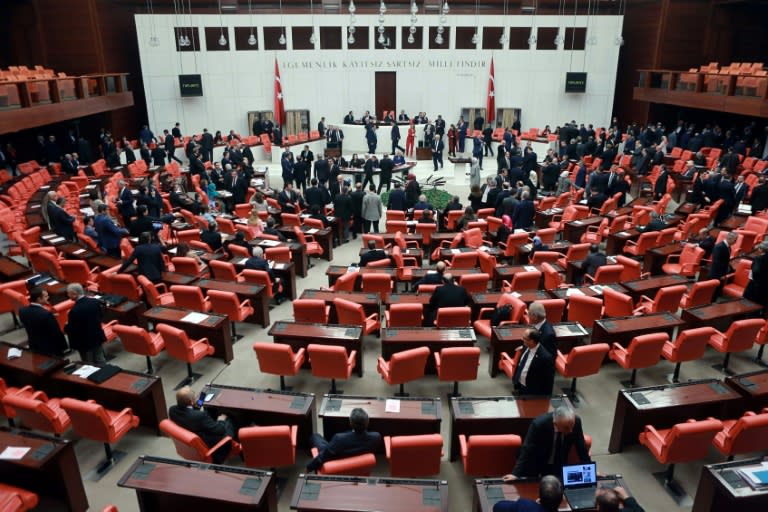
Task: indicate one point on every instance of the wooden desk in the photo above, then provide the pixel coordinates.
(11, 270)
(615, 242)
(166, 484)
(28, 369)
(507, 338)
(324, 237)
(371, 302)
(573, 230)
(398, 339)
(650, 286)
(216, 328)
(656, 257)
(141, 392)
(265, 407)
(104, 261)
(172, 278)
(544, 217)
(336, 271)
(301, 334)
(589, 291)
(664, 406)
(489, 299)
(722, 489)
(753, 386)
(507, 273)
(497, 415)
(343, 493)
(285, 271)
(719, 315)
(253, 292)
(418, 254)
(623, 329)
(524, 251)
(49, 469)
(448, 254)
(298, 252)
(75, 251)
(417, 415)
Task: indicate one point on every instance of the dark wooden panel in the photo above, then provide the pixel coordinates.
(417, 39)
(743, 105)
(301, 37)
(386, 91)
(545, 38)
(390, 38)
(464, 38)
(242, 34)
(361, 39)
(518, 38)
(446, 38)
(272, 38)
(491, 37)
(192, 34)
(575, 38)
(330, 38)
(212, 36)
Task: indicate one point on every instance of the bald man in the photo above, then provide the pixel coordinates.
(188, 415)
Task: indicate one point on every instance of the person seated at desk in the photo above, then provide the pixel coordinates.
(454, 205)
(43, 332)
(238, 239)
(426, 217)
(535, 373)
(537, 245)
(469, 216)
(88, 228)
(704, 240)
(550, 497)
(143, 223)
(432, 276)
(398, 159)
(212, 236)
(372, 254)
(547, 444)
(184, 251)
(316, 212)
(594, 260)
(180, 199)
(758, 277)
(258, 204)
(257, 262)
(614, 500)
(656, 224)
(187, 414)
(423, 204)
(271, 230)
(721, 257)
(149, 258)
(450, 295)
(345, 444)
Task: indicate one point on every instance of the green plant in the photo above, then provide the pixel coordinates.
(436, 197)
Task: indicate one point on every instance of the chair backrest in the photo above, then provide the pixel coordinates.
(346, 282)
(310, 310)
(585, 360)
(223, 270)
(689, 441)
(475, 283)
(274, 358)
(540, 257)
(608, 274)
(188, 445)
(454, 317)
(644, 243)
(150, 291)
(14, 300)
(741, 273)
(381, 283)
(547, 235)
(348, 312)
(134, 339)
(378, 239)
(473, 238)
(632, 268)
(415, 456)
(702, 292)
(226, 303)
(408, 365)
(406, 315)
(668, 298)
(186, 265)
(691, 255)
(76, 271)
(749, 434)
(487, 262)
(514, 240)
(528, 280)
(554, 309)
(577, 252)
(282, 254)
(121, 284)
(459, 363)
(518, 307)
(645, 350)
(36, 414)
(552, 278)
(268, 446)
(741, 335)
(329, 361)
(188, 297)
(177, 343)
(491, 455)
(464, 260)
(89, 419)
(584, 310)
(617, 303)
(691, 344)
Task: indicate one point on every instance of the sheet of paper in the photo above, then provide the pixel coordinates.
(455, 251)
(520, 230)
(516, 295)
(392, 405)
(312, 231)
(353, 268)
(57, 240)
(242, 261)
(530, 268)
(48, 236)
(14, 353)
(195, 317)
(79, 251)
(573, 291)
(86, 370)
(596, 288)
(14, 452)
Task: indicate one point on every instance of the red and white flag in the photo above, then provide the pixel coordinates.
(490, 110)
(279, 103)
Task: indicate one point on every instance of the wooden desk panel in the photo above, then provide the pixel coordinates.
(398, 339)
(656, 257)
(664, 406)
(623, 329)
(336, 271)
(753, 386)
(253, 292)
(216, 328)
(298, 253)
(615, 242)
(573, 230)
(497, 415)
(324, 238)
(650, 286)
(719, 315)
(488, 492)
(302, 334)
(166, 484)
(721, 488)
(344, 493)
(28, 369)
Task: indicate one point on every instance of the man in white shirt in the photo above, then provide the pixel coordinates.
(537, 315)
(535, 372)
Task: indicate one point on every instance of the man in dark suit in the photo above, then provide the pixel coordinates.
(437, 152)
(206, 145)
(238, 185)
(84, 326)
(145, 154)
(660, 188)
(322, 170)
(436, 276)
(176, 131)
(594, 260)
(450, 295)
(386, 165)
(726, 192)
(479, 122)
(550, 497)
(537, 315)
(125, 203)
(43, 333)
(535, 372)
(288, 199)
(62, 222)
(313, 195)
(109, 233)
(721, 256)
(614, 500)
(346, 444)
(212, 236)
(759, 197)
(524, 212)
(188, 415)
(758, 277)
(397, 199)
(547, 444)
(740, 191)
(394, 134)
(149, 258)
(349, 118)
(68, 166)
(257, 262)
(370, 138)
(373, 254)
(170, 147)
(356, 198)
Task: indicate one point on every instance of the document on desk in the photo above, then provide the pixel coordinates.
(353, 268)
(86, 371)
(14, 353)
(455, 251)
(269, 243)
(570, 292)
(530, 268)
(195, 318)
(79, 251)
(392, 405)
(14, 452)
(756, 476)
(597, 289)
(312, 231)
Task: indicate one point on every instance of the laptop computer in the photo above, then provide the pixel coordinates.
(580, 485)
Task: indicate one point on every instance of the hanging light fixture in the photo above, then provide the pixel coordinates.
(559, 39)
(351, 29)
(503, 38)
(440, 28)
(382, 10)
(222, 39)
(619, 40)
(312, 13)
(251, 37)
(414, 19)
(533, 39)
(382, 7)
(476, 36)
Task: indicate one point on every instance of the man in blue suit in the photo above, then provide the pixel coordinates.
(346, 444)
(437, 152)
(524, 212)
(125, 203)
(109, 233)
(370, 138)
(550, 496)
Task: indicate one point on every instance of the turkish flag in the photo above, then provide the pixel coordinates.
(279, 103)
(490, 115)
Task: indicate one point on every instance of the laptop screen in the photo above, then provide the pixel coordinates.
(579, 475)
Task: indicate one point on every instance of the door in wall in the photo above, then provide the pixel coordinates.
(386, 93)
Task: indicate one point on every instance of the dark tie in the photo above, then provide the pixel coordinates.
(519, 368)
(557, 460)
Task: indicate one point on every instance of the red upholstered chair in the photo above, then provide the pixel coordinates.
(190, 297)
(688, 346)
(576, 252)
(120, 284)
(331, 362)
(278, 359)
(405, 315)
(6, 306)
(700, 294)
(138, 340)
(77, 271)
(227, 303)
(377, 239)
(187, 235)
(351, 313)
(475, 283)
(554, 308)
(308, 241)
(512, 245)
(268, 446)
(666, 299)
(528, 280)
(644, 243)
(454, 317)
(428, 288)
(403, 367)
(290, 219)
(740, 336)
(200, 246)
(581, 361)
(737, 281)
(261, 277)
(156, 294)
(239, 251)
(687, 263)
(346, 282)
(632, 269)
(606, 274)
(425, 229)
(186, 265)
(466, 259)
(405, 265)
(540, 257)
(584, 310)
(552, 278)
(225, 270)
(414, 456)
(474, 238)
(39, 413)
(489, 455)
(457, 364)
(179, 346)
(518, 308)
(508, 364)
(357, 465)
(745, 435)
(26, 392)
(16, 499)
(617, 304)
(685, 442)
(281, 254)
(311, 310)
(377, 283)
(190, 446)
(643, 351)
(94, 422)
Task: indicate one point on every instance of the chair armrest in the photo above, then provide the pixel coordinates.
(202, 340)
(246, 304)
(557, 218)
(109, 324)
(125, 412)
(631, 242)
(650, 431)
(413, 244)
(299, 354)
(37, 395)
(484, 312)
(309, 238)
(352, 357)
(617, 347)
(437, 359)
(218, 445)
(672, 258)
(503, 245)
(590, 278)
(463, 445)
(388, 446)
(507, 322)
(410, 261)
(372, 316)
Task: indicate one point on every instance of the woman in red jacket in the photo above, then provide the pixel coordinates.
(410, 138)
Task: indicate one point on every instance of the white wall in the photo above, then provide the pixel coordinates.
(331, 82)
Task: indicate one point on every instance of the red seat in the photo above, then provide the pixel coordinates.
(483, 326)
(643, 351)
(700, 294)
(606, 274)
(77, 271)
(576, 252)
(475, 283)
(489, 455)
(261, 277)
(403, 367)
(331, 362)
(747, 434)
(528, 280)
(736, 282)
(463, 260)
(377, 283)
(268, 446)
(540, 257)
(313, 248)
(357, 465)
(191, 447)
(581, 361)
(646, 242)
(740, 336)
(26, 392)
(454, 317)
(512, 244)
(38, 413)
(120, 284)
(552, 278)
(414, 456)
(94, 422)
(16, 499)
(179, 346)
(351, 313)
(138, 340)
(281, 254)
(190, 297)
(156, 294)
(457, 364)
(311, 310)
(278, 359)
(227, 303)
(346, 282)
(186, 265)
(554, 309)
(617, 304)
(225, 270)
(405, 315)
(688, 346)
(632, 269)
(687, 263)
(666, 299)
(584, 310)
